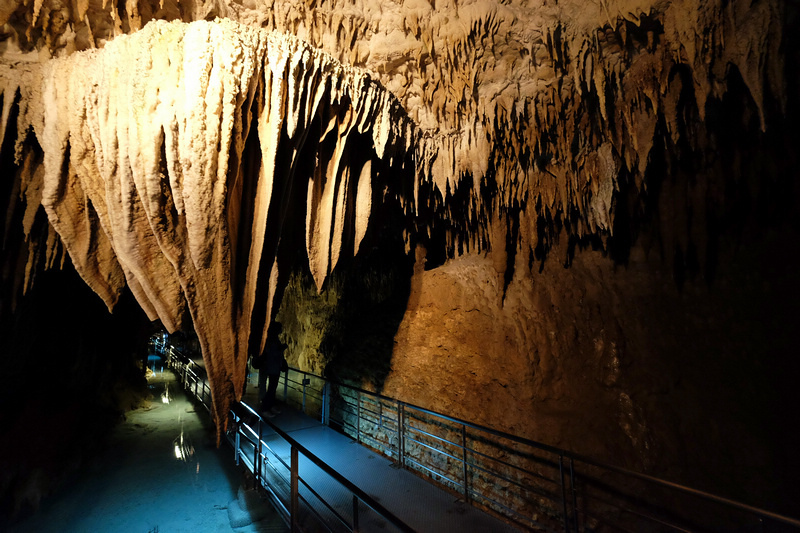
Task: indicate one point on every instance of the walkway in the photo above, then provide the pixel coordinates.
(161, 472)
(553, 489)
(418, 503)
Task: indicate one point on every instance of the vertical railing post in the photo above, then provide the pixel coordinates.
(306, 381)
(257, 458)
(464, 459)
(574, 488)
(355, 514)
(401, 422)
(326, 404)
(238, 430)
(358, 417)
(563, 491)
(285, 386)
(294, 503)
(379, 432)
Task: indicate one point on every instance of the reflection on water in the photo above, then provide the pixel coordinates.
(166, 397)
(184, 449)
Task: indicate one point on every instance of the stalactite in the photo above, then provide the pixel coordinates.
(543, 107)
(127, 213)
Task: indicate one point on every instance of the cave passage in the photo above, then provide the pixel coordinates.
(570, 221)
(158, 470)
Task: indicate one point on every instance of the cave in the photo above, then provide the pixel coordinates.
(572, 222)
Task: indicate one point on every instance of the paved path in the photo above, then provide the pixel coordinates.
(161, 472)
(418, 503)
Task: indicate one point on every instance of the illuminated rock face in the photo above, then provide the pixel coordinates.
(177, 159)
(144, 179)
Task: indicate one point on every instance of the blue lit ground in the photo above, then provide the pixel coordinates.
(161, 472)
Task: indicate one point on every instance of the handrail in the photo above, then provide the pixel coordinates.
(296, 447)
(563, 454)
(349, 485)
(563, 462)
(258, 447)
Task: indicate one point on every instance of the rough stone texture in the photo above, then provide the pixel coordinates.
(639, 143)
(138, 182)
(606, 362)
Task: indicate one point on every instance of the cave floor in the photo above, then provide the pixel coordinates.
(161, 472)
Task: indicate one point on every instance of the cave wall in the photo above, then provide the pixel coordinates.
(666, 349)
(564, 220)
(694, 383)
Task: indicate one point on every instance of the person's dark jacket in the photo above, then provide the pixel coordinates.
(274, 361)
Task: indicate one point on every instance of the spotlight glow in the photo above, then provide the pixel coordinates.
(183, 447)
(165, 396)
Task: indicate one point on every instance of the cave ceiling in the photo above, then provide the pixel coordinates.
(162, 139)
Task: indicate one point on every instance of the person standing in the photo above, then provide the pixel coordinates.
(273, 362)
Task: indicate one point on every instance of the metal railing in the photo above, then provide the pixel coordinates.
(530, 484)
(193, 376)
(249, 425)
(270, 468)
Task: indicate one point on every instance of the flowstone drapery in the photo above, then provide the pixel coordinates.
(143, 176)
(514, 121)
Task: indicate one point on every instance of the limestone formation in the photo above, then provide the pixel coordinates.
(164, 139)
(142, 179)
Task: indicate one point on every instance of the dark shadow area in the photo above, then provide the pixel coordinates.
(13, 249)
(723, 180)
(352, 321)
(374, 295)
(70, 368)
(70, 371)
(721, 215)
